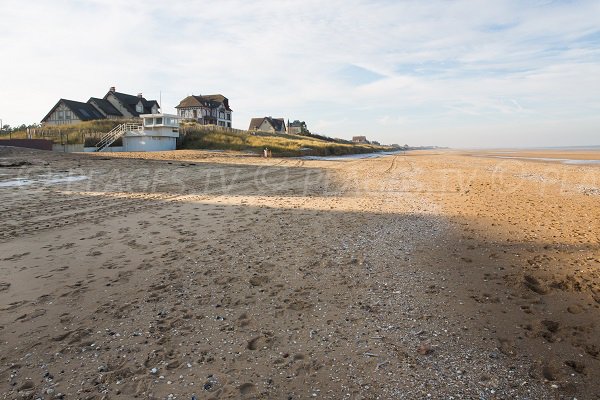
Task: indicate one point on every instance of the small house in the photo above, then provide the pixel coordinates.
(297, 127)
(267, 124)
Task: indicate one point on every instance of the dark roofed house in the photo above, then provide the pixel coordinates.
(105, 107)
(71, 112)
(267, 124)
(360, 139)
(131, 106)
(113, 105)
(212, 109)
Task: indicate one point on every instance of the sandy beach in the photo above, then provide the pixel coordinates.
(215, 275)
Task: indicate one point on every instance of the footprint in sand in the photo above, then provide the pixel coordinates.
(29, 316)
(246, 389)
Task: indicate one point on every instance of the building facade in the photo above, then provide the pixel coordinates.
(67, 112)
(212, 109)
(297, 127)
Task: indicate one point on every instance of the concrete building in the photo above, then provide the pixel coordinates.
(158, 132)
(211, 109)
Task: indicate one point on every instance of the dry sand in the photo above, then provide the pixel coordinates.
(219, 275)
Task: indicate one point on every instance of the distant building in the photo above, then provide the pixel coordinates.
(359, 139)
(375, 143)
(212, 109)
(113, 105)
(267, 124)
(297, 127)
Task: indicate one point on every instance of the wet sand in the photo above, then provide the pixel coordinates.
(221, 275)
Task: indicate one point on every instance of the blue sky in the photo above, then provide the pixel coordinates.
(450, 73)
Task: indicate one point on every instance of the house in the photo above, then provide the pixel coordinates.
(113, 105)
(71, 112)
(267, 124)
(360, 139)
(212, 109)
(297, 127)
(105, 107)
(131, 106)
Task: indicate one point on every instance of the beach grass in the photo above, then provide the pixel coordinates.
(282, 145)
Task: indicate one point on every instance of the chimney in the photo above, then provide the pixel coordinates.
(112, 89)
(139, 95)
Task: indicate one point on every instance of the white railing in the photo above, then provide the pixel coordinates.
(116, 133)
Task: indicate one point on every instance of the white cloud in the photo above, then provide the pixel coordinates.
(448, 67)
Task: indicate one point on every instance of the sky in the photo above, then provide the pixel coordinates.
(464, 73)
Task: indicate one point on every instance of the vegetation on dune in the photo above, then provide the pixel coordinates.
(197, 137)
(88, 132)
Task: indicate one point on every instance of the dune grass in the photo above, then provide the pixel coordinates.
(196, 136)
(88, 132)
(281, 145)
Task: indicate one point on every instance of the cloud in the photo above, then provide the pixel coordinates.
(437, 69)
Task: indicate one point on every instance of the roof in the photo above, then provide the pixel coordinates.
(297, 123)
(277, 123)
(105, 106)
(130, 101)
(209, 100)
(83, 111)
(255, 123)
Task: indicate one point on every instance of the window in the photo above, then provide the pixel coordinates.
(221, 115)
(228, 116)
(61, 115)
(158, 121)
(148, 121)
(139, 107)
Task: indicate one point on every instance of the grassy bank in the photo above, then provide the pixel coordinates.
(88, 132)
(195, 137)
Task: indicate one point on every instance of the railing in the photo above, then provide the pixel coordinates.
(116, 133)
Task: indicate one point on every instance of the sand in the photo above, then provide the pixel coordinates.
(221, 275)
